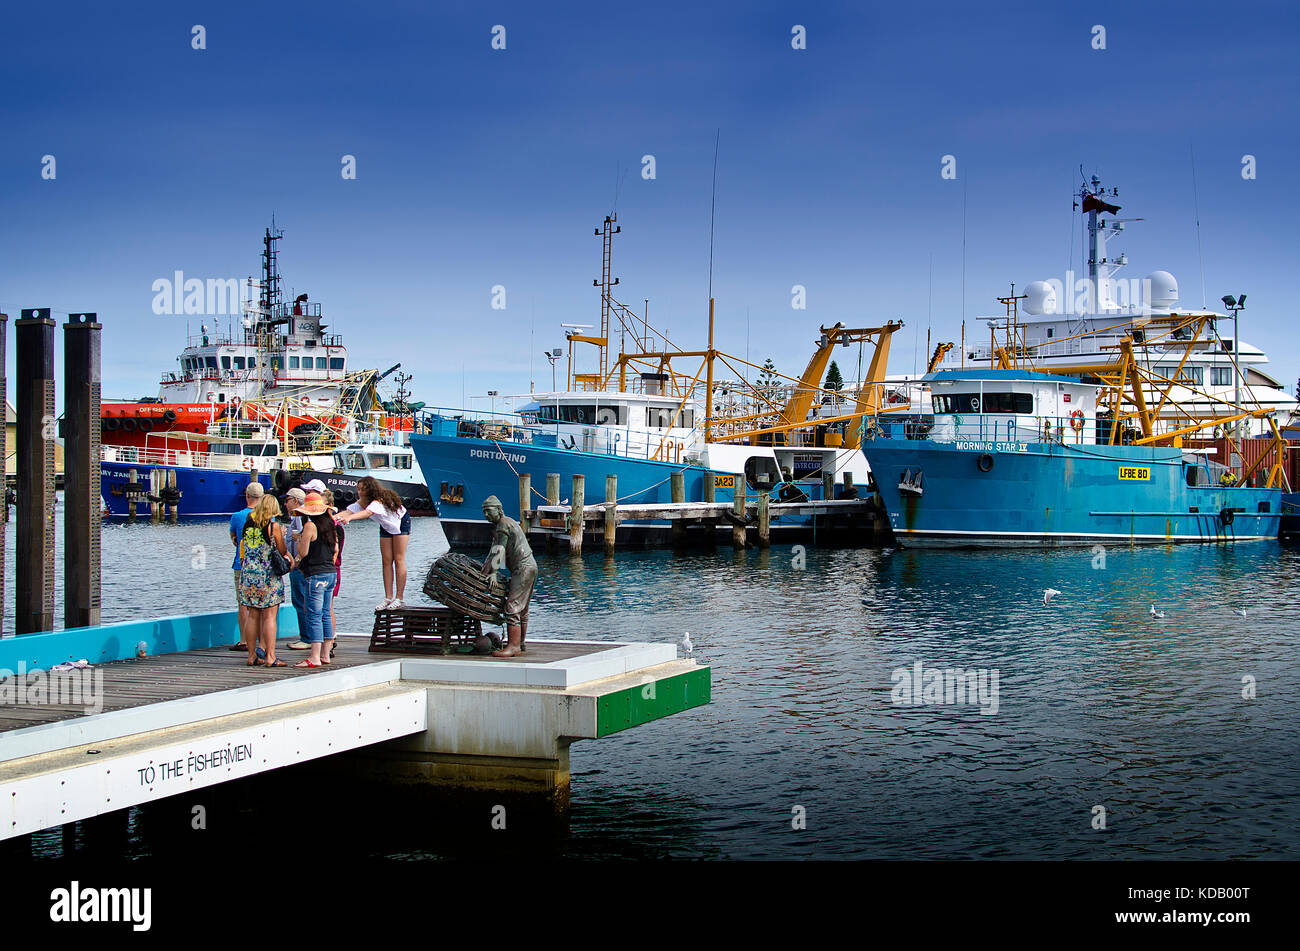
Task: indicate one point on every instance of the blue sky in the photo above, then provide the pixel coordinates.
(478, 167)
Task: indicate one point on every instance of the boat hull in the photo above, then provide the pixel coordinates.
(1049, 494)
(202, 491)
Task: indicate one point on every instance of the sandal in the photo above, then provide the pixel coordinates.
(305, 663)
(275, 663)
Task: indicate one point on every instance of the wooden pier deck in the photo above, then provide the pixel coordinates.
(178, 718)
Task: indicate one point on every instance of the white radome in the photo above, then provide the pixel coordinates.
(1040, 298)
(1163, 290)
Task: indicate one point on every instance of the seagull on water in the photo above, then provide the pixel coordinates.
(687, 645)
(1241, 611)
(1155, 613)
(1049, 594)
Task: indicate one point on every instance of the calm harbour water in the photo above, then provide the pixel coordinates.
(1098, 704)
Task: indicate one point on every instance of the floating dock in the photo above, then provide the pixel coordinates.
(170, 723)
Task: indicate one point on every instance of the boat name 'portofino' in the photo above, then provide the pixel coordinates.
(490, 454)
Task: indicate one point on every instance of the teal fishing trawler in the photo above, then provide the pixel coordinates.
(1010, 455)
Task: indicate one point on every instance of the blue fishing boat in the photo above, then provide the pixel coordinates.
(1019, 457)
(637, 416)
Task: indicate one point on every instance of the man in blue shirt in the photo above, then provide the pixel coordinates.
(252, 495)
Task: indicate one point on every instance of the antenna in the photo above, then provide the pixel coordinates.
(1196, 210)
(713, 205)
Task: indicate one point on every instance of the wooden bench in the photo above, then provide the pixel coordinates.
(419, 630)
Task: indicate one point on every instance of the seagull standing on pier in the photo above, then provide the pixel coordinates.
(1049, 594)
(687, 645)
(1155, 613)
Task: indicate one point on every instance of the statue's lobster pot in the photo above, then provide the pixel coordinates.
(418, 630)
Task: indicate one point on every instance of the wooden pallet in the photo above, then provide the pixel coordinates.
(409, 630)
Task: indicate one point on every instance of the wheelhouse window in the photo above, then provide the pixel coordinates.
(239, 363)
(401, 462)
(225, 363)
(378, 460)
(320, 363)
(1187, 376)
(1019, 403)
(336, 363)
(354, 460)
(1221, 376)
(293, 363)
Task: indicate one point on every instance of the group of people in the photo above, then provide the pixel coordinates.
(311, 544)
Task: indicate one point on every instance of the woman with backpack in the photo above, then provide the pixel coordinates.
(317, 557)
(261, 590)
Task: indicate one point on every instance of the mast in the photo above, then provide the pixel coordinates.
(708, 385)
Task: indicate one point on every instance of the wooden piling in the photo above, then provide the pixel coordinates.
(611, 510)
(81, 464)
(764, 520)
(525, 498)
(738, 510)
(4, 484)
(34, 546)
(173, 508)
(553, 488)
(709, 487)
(828, 485)
(155, 490)
(848, 485)
(677, 485)
(132, 478)
(575, 514)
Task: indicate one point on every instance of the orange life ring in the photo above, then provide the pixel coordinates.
(249, 463)
(1076, 420)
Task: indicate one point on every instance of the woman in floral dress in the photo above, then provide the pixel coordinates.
(261, 590)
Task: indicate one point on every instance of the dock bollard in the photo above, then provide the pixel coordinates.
(738, 509)
(677, 485)
(525, 502)
(611, 507)
(575, 515)
(764, 520)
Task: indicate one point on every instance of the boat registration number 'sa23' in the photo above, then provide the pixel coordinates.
(1135, 473)
(724, 482)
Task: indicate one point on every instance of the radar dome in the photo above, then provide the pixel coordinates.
(1040, 298)
(1163, 292)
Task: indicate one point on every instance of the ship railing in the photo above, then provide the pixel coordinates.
(135, 455)
(674, 445)
(994, 428)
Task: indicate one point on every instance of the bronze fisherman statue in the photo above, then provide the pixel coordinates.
(510, 546)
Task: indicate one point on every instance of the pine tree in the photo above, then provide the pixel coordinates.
(834, 381)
